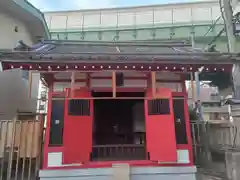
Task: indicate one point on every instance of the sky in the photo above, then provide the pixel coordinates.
(58, 5)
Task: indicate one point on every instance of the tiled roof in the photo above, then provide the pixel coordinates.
(75, 47)
(62, 50)
(59, 55)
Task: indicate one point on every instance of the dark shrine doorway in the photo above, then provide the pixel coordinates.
(119, 126)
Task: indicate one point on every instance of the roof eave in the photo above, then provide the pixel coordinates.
(181, 58)
(174, 65)
(37, 14)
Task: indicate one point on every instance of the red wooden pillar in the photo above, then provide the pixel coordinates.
(48, 125)
(114, 84)
(73, 84)
(187, 120)
(153, 78)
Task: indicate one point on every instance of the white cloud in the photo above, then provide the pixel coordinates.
(40, 4)
(48, 5)
(92, 4)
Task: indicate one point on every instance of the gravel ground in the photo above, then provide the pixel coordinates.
(202, 176)
(206, 177)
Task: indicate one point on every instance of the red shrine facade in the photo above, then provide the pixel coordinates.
(80, 129)
(106, 109)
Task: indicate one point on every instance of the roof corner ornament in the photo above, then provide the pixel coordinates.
(22, 46)
(212, 48)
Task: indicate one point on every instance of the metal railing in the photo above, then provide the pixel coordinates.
(119, 152)
(218, 109)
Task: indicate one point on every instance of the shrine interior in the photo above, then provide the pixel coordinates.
(119, 127)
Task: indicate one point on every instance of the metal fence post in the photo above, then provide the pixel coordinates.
(10, 159)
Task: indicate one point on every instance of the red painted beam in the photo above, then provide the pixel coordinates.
(126, 78)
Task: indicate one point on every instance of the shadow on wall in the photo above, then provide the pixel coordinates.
(14, 94)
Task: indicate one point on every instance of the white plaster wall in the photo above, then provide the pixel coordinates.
(194, 13)
(14, 94)
(9, 38)
(14, 88)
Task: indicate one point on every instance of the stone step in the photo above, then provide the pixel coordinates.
(121, 172)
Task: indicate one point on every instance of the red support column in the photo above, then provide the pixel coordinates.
(153, 78)
(48, 125)
(72, 84)
(187, 120)
(88, 81)
(114, 84)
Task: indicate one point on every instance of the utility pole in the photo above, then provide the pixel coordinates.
(227, 14)
(227, 7)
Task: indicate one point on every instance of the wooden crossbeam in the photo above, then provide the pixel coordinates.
(96, 98)
(153, 77)
(73, 77)
(114, 84)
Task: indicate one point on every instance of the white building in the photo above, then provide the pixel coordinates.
(211, 100)
(19, 21)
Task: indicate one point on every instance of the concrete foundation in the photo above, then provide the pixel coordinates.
(135, 173)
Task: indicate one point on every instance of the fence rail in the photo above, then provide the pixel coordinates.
(20, 148)
(211, 141)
